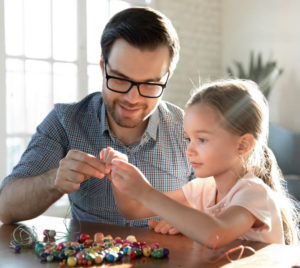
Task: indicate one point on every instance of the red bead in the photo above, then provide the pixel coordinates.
(132, 254)
(88, 242)
(84, 237)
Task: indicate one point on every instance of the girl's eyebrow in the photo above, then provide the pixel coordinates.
(204, 131)
(200, 132)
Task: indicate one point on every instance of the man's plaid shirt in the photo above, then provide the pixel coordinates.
(83, 126)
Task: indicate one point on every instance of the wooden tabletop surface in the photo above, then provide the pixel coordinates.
(183, 251)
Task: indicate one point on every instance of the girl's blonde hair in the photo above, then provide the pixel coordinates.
(244, 109)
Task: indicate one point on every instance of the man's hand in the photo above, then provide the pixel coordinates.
(162, 227)
(75, 168)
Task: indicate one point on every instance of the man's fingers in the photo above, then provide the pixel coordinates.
(84, 163)
(80, 167)
(72, 176)
(68, 181)
(67, 187)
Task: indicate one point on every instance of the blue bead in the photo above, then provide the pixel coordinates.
(166, 252)
(111, 257)
(17, 249)
(39, 248)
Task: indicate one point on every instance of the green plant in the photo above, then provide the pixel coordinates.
(264, 74)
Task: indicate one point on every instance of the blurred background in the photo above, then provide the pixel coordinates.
(50, 50)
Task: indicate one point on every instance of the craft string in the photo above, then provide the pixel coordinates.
(24, 237)
(229, 254)
(88, 191)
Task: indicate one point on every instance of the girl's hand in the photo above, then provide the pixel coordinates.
(163, 227)
(129, 179)
(108, 154)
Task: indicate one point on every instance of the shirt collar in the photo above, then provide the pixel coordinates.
(152, 127)
(103, 120)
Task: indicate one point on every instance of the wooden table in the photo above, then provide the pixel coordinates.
(183, 251)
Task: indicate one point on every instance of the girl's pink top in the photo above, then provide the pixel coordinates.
(249, 192)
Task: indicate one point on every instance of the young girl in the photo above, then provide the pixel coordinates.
(241, 195)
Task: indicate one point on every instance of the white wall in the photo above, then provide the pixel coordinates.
(214, 33)
(198, 23)
(270, 27)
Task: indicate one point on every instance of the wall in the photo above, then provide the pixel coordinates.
(198, 23)
(270, 27)
(215, 33)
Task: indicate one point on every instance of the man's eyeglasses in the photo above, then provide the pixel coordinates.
(145, 89)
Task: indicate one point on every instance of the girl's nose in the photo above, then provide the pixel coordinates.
(190, 150)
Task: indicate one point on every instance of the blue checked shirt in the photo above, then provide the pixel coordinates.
(83, 126)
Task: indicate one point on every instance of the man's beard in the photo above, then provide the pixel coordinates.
(123, 122)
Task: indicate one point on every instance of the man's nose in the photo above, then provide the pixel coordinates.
(133, 93)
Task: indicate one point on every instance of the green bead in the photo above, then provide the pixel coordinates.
(50, 258)
(39, 248)
(89, 257)
(158, 254)
(55, 254)
(138, 252)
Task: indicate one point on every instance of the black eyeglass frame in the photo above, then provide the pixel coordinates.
(134, 83)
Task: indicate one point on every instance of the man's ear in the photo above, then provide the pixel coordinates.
(102, 64)
(245, 144)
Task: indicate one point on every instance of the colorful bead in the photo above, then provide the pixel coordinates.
(132, 254)
(158, 253)
(62, 264)
(98, 259)
(50, 258)
(109, 237)
(111, 257)
(98, 237)
(43, 256)
(51, 233)
(147, 251)
(166, 252)
(39, 248)
(60, 246)
(45, 232)
(127, 250)
(83, 237)
(72, 261)
(62, 256)
(131, 238)
(88, 252)
(17, 249)
(88, 242)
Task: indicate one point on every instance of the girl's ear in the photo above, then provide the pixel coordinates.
(245, 144)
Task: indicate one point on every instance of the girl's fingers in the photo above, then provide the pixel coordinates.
(173, 231)
(152, 223)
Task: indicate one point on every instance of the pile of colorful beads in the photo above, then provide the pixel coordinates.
(86, 251)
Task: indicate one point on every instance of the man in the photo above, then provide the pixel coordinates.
(139, 53)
